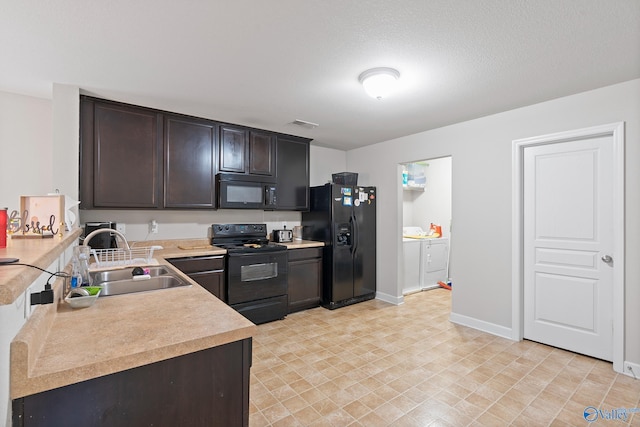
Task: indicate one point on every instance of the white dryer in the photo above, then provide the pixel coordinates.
(435, 260)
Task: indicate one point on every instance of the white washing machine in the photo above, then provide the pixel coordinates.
(412, 249)
(412, 257)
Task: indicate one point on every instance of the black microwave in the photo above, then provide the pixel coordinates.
(245, 192)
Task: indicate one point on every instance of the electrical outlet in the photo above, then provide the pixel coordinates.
(153, 226)
(121, 227)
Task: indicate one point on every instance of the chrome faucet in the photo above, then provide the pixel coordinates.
(107, 230)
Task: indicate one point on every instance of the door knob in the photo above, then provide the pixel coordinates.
(607, 259)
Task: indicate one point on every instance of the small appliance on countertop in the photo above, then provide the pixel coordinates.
(282, 236)
(102, 240)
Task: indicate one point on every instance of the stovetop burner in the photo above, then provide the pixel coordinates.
(243, 238)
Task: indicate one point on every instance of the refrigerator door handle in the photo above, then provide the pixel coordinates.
(354, 233)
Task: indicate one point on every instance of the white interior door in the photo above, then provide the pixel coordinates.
(567, 245)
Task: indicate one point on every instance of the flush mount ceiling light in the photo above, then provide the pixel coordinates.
(379, 82)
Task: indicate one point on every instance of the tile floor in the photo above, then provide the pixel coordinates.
(376, 364)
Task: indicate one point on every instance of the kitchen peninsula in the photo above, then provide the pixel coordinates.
(169, 357)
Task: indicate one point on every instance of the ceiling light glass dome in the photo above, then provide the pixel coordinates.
(379, 82)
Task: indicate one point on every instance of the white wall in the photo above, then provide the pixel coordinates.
(29, 158)
(66, 139)
(26, 147)
(481, 168)
(324, 162)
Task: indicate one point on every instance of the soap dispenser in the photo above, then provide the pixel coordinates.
(81, 254)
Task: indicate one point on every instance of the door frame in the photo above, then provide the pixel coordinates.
(616, 132)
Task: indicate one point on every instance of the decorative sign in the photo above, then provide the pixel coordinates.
(39, 216)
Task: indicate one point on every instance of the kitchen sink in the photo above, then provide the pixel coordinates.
(119, 287)
(118, 282)
(125, 274)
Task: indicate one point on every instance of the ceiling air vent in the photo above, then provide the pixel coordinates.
(305, 124)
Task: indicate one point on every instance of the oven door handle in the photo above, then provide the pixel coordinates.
(255, 279)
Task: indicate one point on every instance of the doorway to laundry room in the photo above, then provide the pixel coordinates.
(426, 224)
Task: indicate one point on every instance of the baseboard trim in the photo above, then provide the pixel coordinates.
(632, 370)
(481, 325)
(390, 298)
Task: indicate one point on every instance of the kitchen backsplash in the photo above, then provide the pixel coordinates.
(185, 224)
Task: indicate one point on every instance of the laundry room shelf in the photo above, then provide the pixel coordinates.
(412, 188)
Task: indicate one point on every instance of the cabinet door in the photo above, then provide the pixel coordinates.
(207, 271)
(86, 152)
(233, 147)
(292, 163)
(262, 157)
(202, 389)
(213, 282)
(126, 157)
(190, 166)
(305, 279)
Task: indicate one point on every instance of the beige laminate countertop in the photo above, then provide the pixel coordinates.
(301, 244)
(201, 247)
(14, 279)
(60, 346)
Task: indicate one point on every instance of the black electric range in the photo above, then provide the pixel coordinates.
(256, 273)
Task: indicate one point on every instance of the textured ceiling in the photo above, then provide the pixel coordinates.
(266, 63)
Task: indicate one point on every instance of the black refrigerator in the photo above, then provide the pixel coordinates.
(344, 218)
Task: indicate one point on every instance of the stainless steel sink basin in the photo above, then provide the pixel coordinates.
(125, 274)
(120, 281)
(119, 287)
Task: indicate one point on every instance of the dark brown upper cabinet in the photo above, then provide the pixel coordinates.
(233, 147)
(190, 162)
(121, 156)
(292, 181)
(246, 151)
(139, 158)
(262, 153)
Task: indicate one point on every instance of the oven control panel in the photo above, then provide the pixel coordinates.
(234, 230)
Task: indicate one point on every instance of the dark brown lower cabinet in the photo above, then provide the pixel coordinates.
(305, 278)
(207, 271)
(207, 388)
